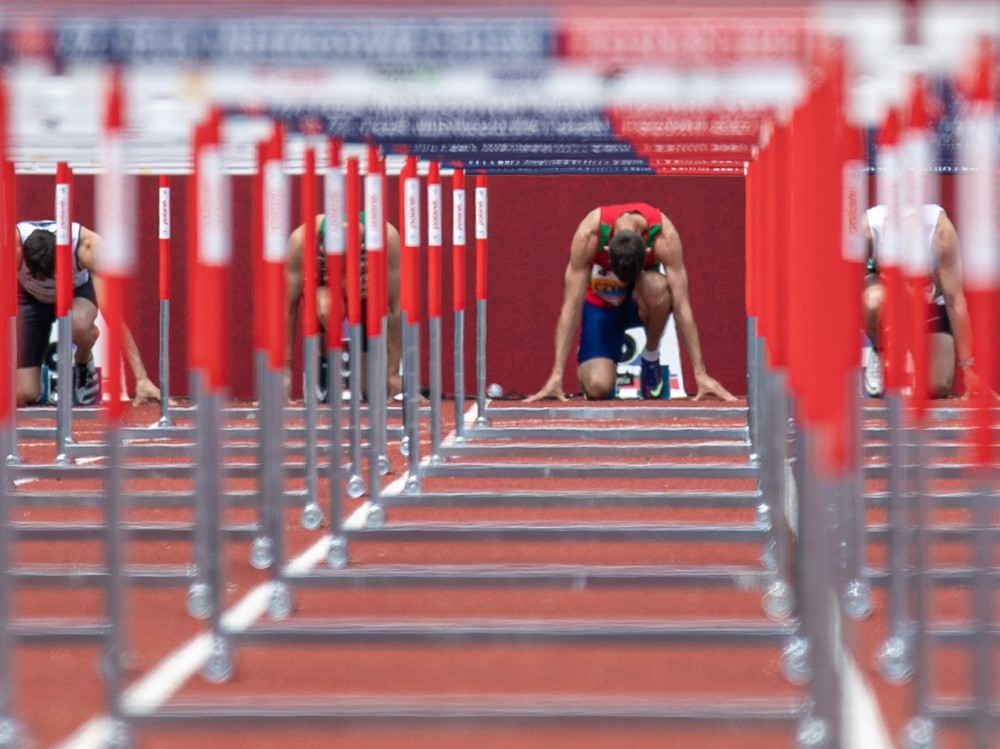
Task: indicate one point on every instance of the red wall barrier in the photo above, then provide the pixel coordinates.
(532, 219)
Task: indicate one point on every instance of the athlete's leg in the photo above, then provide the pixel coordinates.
(602, 333)
(34, 326)
(941, 358)
(655, 302)
(85, 331)
(872, 298)
(597, 378)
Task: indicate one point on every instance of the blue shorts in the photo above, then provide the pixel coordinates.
(602, 329)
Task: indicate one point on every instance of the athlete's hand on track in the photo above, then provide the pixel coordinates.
(974, 385)
(553, 389)
(710, 386)
(145, 392)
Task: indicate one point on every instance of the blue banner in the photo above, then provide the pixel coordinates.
(305, 41)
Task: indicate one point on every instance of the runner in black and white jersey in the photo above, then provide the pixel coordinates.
(35, 262)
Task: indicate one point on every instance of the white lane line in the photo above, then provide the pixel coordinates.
(170, 674)
(167, 677)
(862, 722)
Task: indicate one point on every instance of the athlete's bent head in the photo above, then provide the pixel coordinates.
(39, 254)
(627, 253)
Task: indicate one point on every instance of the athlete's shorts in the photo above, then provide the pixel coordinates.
(602, 330)
(35, 320)
(937, 319)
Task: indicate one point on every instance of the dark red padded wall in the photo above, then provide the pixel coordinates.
(532, 220)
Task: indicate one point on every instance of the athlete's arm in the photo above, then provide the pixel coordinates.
(667, 249)
(88, 253)
(581, 258)
(293, 295)
(949, 268)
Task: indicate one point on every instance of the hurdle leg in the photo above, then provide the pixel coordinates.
(164, 363)
(116, 650)
(355, 483)
(856, 596)
(376, 386)
(895, 657)
(381, 434)
(9, 451)
(218, 666)
(434, 373)
(411, 404)
(9, 730)
(459, 367)
(482, 419)
(818, 612)
(337, 554)
(779, 598)
(312, 515)
(280, 603)
(64, 404)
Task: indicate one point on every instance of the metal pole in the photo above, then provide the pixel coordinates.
(9, 730)
(165, 420)
(411, 403)
(312, 516)
(114, 541)
(355, 484)
(459, 366)
(10, 452)
(64, 403)
(434, 373)
(337, 553)
(482, 419)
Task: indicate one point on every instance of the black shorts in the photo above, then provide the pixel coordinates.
(35, 320)
(937, 319)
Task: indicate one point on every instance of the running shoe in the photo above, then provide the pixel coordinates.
(650, 380)
(873, 379)
(86, 384)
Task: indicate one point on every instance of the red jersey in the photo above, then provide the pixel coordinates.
(606, 289)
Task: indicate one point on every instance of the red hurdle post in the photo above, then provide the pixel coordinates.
(64, 314)
(116, 218)
(208, 271)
